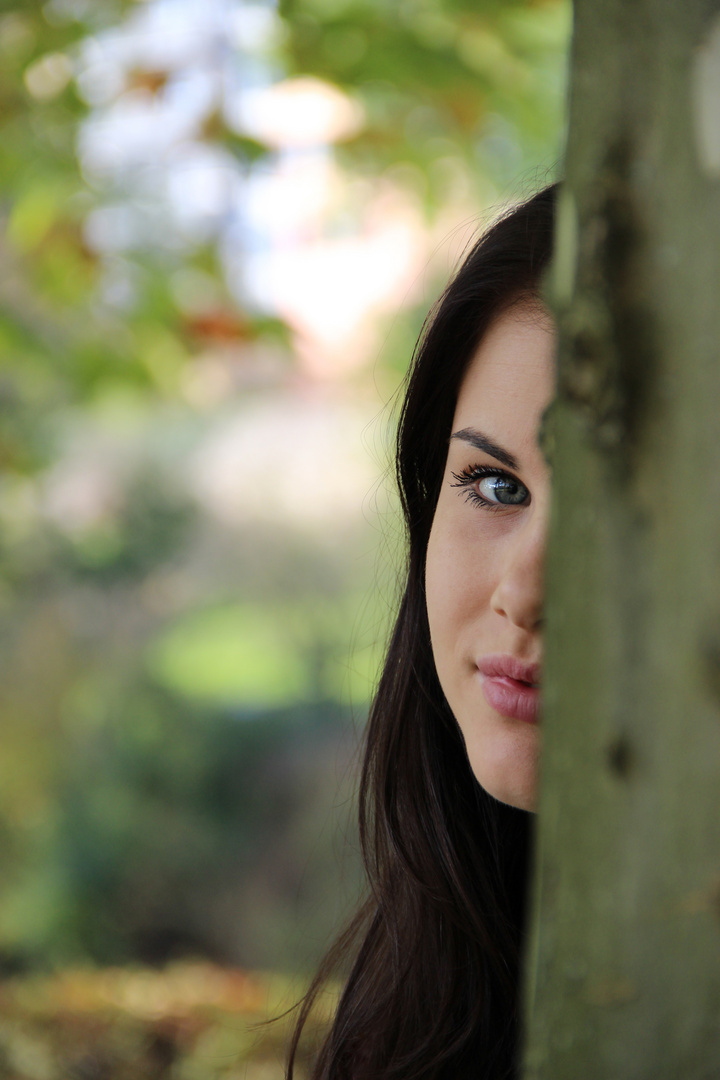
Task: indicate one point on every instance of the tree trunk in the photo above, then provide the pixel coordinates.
(623, 974)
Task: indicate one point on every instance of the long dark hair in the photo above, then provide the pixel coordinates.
(433, 990)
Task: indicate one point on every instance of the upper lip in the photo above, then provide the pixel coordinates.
(504, 665)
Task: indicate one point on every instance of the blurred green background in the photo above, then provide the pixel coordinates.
(224, 222)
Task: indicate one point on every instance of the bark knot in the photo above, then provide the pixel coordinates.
(621, 757)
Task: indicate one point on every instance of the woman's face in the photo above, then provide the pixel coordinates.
(485, 556)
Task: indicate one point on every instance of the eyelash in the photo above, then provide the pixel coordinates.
(478, 472)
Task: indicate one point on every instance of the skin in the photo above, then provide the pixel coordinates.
(484, 576)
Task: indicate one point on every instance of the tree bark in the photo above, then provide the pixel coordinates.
(623, 971)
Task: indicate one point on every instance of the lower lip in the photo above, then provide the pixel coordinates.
(512, 698)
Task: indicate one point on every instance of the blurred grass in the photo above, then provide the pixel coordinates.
(190, 1021)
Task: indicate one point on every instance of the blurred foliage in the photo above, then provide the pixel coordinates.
(442, 79)
(231, 653)
(56, 346)
(188, 1022)
(174, 693)
(193, 833)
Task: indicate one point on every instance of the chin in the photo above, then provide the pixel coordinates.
(521, 799)
(509, 774)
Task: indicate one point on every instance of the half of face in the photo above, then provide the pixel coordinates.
(484, 575)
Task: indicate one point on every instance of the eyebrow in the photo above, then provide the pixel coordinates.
(482, 442)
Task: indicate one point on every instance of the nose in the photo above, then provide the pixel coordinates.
(519, 594)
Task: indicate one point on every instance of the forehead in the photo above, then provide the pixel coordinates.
(511, 378)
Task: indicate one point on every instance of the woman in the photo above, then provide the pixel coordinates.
(452, 744)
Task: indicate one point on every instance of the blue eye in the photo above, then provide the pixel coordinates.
(502, 489)
(491, 488)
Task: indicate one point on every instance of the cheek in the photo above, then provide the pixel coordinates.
(457, 585)
(441, 586)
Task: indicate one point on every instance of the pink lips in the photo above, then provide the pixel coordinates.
(511, 686)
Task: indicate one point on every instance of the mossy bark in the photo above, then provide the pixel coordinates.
(623, 972)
